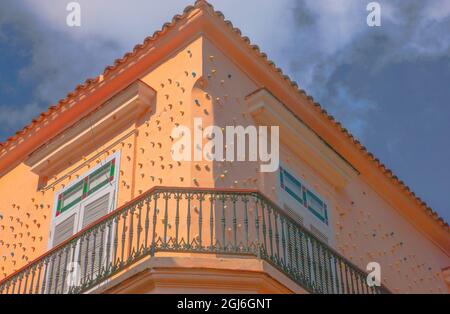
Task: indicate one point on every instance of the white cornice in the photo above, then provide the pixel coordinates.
(111, 117)
(267, 110)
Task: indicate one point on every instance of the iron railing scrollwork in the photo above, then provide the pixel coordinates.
(241, 222)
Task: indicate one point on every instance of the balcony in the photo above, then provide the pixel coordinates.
(191, 220)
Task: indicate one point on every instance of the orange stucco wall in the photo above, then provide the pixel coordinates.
(27, 210)
(366, 228)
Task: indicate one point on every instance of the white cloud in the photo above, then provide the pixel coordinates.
(129, 22)
(437, 10)
(337, 23)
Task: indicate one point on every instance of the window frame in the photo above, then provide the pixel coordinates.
(304, 192)
(84, 184)
(77, 207)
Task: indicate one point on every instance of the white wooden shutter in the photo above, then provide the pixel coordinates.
(318, 234)
(93, 246)
(95, 210)
(64, 230)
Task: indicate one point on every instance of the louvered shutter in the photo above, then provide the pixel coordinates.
(318, 234)
(293, 239)
(298, 248)
(328, 260)
(95, 210)
(92, 247)
(63, 230)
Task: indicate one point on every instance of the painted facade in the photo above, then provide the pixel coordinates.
(199, 66)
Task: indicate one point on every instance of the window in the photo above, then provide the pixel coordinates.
(69, 198)
(85, 187)
(318, 234)
(303, 195)
(316, 206)
(292, 186)
(85, 200)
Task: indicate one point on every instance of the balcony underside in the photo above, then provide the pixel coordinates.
(197, 273)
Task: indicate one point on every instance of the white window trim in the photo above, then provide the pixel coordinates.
(285, 199)
(79, 214)
(308, 187)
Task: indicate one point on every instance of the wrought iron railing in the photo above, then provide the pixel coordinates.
(214, 221)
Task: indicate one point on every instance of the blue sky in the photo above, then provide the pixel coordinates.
(389, 85)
